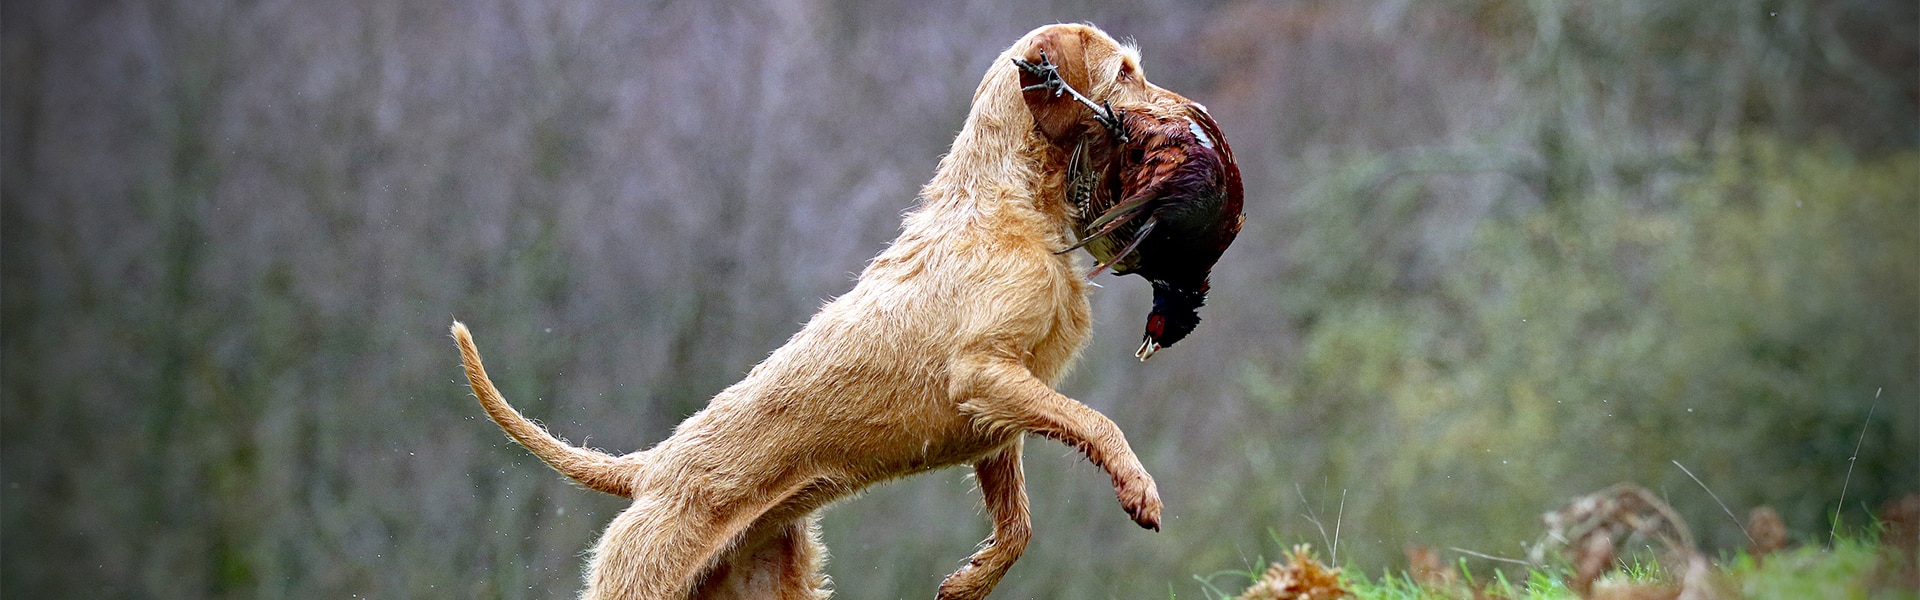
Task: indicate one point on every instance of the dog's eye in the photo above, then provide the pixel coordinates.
(1126, 72)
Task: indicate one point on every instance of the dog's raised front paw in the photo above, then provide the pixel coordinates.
(1141, 499)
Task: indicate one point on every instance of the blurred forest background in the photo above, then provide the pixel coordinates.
(1499, 253)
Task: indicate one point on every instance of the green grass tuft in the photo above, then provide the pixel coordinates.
(1856, 567)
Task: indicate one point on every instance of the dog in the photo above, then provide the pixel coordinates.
(944, 353)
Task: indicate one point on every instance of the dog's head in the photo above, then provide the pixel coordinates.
(1091, 61)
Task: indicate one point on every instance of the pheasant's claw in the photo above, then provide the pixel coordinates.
(1037, 69)
(1048, 73)
(1111, 120)
(1050, 79)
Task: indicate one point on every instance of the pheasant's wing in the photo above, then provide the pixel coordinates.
(1153, 158)
(1108, 223)
(1138, 236)
(1207, 132)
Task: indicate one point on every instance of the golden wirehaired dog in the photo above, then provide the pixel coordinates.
(944, 353)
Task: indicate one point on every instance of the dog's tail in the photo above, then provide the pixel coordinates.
(592, 468)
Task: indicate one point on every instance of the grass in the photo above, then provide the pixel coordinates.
(1855, 567)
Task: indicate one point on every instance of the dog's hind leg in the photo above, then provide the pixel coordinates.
(661, 545)
(801, 558)
(1003, 485)
(656, 549)
(776, 560)
(998, 392)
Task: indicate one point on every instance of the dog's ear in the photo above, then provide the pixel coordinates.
(1058, 117)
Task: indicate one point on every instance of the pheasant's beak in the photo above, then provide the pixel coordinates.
(1147, 348)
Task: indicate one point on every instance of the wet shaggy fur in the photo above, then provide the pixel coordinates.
(945, 353)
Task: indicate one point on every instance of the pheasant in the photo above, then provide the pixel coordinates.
(1159, 196)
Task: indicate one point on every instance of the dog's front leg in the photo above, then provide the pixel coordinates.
(1004, 486)
(999, 393)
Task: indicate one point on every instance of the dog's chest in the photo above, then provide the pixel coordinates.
(1072, 324)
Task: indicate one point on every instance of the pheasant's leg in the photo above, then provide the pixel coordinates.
(1051, 80)
(1109, 119)
(1048, 73)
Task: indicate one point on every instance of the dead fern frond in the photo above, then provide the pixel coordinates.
(1300, 578)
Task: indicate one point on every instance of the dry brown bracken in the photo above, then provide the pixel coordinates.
(1300, 578)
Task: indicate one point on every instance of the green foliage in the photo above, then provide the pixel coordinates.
(1856, 566)
(1539, 585)
(1742, 321)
